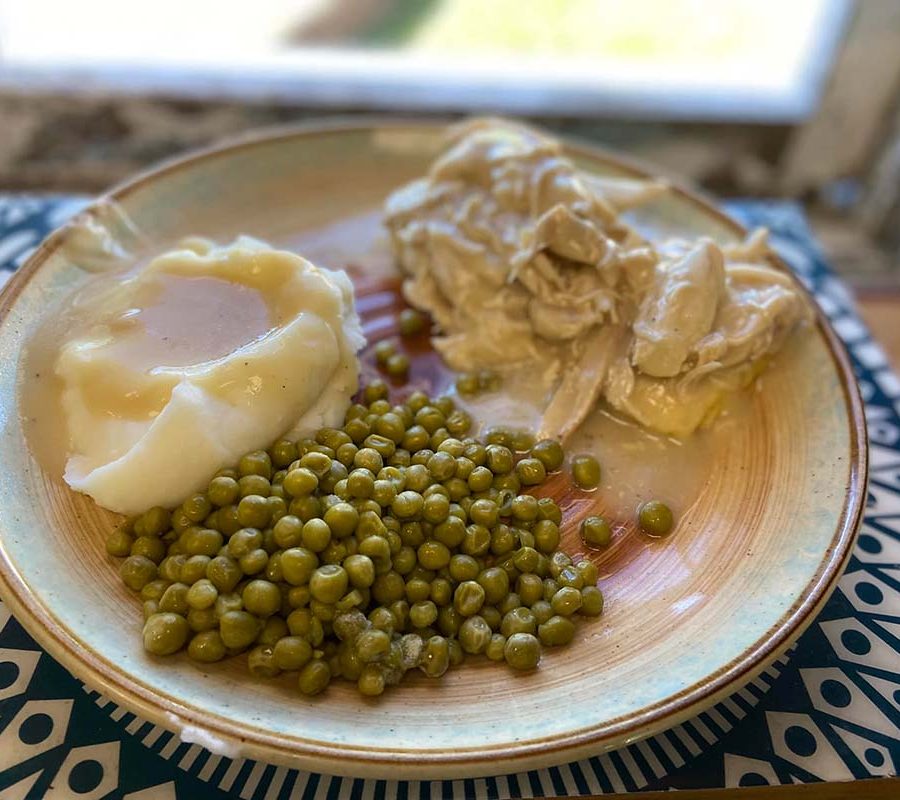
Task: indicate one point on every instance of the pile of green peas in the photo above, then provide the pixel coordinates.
(395, 542)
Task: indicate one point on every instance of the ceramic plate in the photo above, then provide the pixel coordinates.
(758, 548)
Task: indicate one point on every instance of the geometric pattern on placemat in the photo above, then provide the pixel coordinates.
(827, 710)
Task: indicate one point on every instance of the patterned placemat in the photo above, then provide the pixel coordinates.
(829, 710)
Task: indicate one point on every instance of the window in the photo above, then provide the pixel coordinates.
(751, 60)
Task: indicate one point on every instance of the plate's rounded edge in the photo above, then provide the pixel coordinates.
(384, 762)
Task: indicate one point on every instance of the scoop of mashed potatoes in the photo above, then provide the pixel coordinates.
(206, 353)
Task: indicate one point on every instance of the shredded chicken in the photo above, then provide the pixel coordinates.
(522, 260)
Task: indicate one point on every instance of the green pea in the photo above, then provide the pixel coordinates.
(119, 542)
(546, 535)
(415, 438)
(547, 509)
(484, 512)
(227, 521)
(383, 351)
(371, 681)
(316, 462)
(302, 622)
(496, 647)
(137, 572)
(328, 583)
(531, 471)
(441, 591)
(556, 631)
(155, 589)
(586, 472)
(458, 423)
(261, 597)
(423, 613)
(407, 504)
(542, 611)
(518, 620)
(316, 535)
(203, 619)
(434, 555)
(361, 483)
(468, 598)
(337, 474)
(588, 572)
(149, 608)
(480, 479)
(430, 418)
(464, 568)
(509, 603)
(376, 548)
(224, 573)
(380, 444)
(360, 571)
(477, 541)
(467, 384)
(203, 594)
(474, 635)
(566, 601)
(156, 521)
(254, 511)
(417, 590)
(389, 587)
(591, 601)
(595, 531)
(526, 559)
(549, 452)
(196, 508)
(346, 453)
(202, 541)
(314, 678)
(358, 429)
(434, 659)
(206, 647)
(411, 322)
(522, 651)
(165, 633)
(570, 577)
(254, 485)
(405, 560)
(655, 518)
(372, 645)
(498, 434)
(325, 612)
(508, 482)
(499, 458)
(492, 616)
(390, 426)
(244, 541)
(341, 519)
(503, 540)
(283, 453)
(495, 583)
(298, 565)
(530, 588)
(150, 547)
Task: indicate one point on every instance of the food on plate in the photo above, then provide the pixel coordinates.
(201, 355)
(392, 543)
(655, 518)
(526, 263)
(595, 531)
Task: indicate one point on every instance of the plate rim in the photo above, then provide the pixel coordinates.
(165, 710)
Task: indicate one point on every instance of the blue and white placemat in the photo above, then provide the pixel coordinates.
(829, 710)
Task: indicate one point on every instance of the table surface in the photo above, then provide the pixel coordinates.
(828, 711)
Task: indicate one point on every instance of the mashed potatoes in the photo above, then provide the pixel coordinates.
(204, 354)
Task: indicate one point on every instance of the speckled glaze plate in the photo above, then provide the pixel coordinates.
(755, 554)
